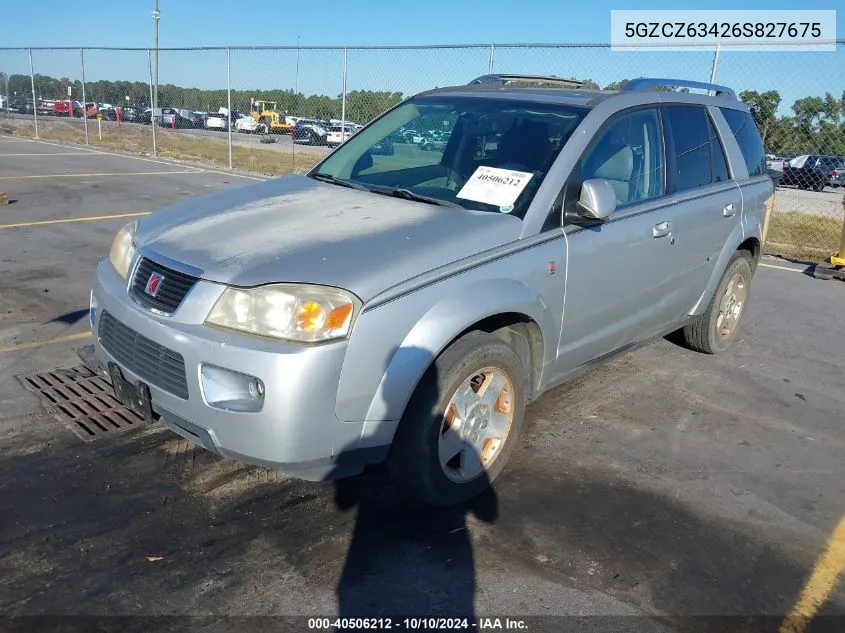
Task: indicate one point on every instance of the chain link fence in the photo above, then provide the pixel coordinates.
(239, 107)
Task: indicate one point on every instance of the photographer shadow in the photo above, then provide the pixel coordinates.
(407, 559)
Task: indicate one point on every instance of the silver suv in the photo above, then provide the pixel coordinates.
(406, 304)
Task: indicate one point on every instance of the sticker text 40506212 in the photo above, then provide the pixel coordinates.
(499, 187)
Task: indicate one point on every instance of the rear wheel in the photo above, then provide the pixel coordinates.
(715, 330)
(462, 422)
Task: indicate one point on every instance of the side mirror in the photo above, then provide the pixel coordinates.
(597, 200)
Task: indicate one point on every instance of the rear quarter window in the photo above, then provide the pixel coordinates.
(746, 135)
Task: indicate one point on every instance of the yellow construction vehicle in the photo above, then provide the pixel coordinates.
(267, 114)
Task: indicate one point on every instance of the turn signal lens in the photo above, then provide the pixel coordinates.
(338, 317)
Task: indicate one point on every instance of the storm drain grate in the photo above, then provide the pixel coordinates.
(84, 399)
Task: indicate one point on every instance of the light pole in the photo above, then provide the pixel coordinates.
(296, 80)
(156, 18)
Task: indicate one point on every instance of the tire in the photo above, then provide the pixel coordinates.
(414, 460)
(701, 335)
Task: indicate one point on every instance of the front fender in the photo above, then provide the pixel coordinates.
(394, 344)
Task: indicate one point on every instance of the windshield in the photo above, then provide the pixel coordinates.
(479, 153)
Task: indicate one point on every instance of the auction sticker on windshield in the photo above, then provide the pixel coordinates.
(499, 187)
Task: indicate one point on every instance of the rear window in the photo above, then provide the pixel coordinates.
(748, 138)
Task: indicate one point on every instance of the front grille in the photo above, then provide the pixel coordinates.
(171, 291)
(150, 361)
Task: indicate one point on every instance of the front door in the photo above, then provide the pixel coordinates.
(619, 285)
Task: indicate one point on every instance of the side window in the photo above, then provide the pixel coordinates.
(691, 136)
(717, 155)
(629, 155)
(748, 138)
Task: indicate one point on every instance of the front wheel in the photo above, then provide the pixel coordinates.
(715, 330)
(462, 422)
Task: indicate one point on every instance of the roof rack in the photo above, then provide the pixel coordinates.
(503, 79)
(645, 83)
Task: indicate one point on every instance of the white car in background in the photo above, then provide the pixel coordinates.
(248, 125)
(334, 135)
(220, 119)
(217, 121)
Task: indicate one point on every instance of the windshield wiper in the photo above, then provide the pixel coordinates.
(407, 194)
(323, 177)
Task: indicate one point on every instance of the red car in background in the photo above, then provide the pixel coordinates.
(63, 108)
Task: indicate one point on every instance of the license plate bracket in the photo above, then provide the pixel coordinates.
(134, 397)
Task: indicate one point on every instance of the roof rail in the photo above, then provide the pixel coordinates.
(503, 79)
(645, 83)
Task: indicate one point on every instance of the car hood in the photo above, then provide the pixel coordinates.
(296, 229)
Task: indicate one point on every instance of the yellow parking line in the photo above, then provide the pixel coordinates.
(792, 270)
(90, 218)
(33, 344)
(829, 567)
(136, 173)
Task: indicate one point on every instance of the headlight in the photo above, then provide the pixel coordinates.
(122, 251)
(291, 312)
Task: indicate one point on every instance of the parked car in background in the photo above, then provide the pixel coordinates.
(45, 107)
(336, 134)
(217, 121)
(434, 141)
(220, 120)
(167, 117)
(181, 118)
(248, 125)
(197, 118)
(132, 114)
(811, 171)
(145, 116)
(773, 161)
(364, 312)
(20, 105)
(65, 108)
(412, 136)
(311, 131)
(108, 113)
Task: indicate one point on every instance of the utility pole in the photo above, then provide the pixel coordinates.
(156, 17)
(715, 66)
(296, 80)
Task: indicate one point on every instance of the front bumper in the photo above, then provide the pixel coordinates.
(297, 430)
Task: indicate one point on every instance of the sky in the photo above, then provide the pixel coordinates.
(189, 23)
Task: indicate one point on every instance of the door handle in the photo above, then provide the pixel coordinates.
(728, 211)
(661, 230)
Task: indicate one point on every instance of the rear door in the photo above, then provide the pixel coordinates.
(707, 203)
(749, 170)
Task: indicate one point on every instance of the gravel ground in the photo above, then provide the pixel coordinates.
(827, 203)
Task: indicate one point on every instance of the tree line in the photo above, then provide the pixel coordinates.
(816, 124)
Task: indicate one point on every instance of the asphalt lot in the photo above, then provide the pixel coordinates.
(665, 484)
